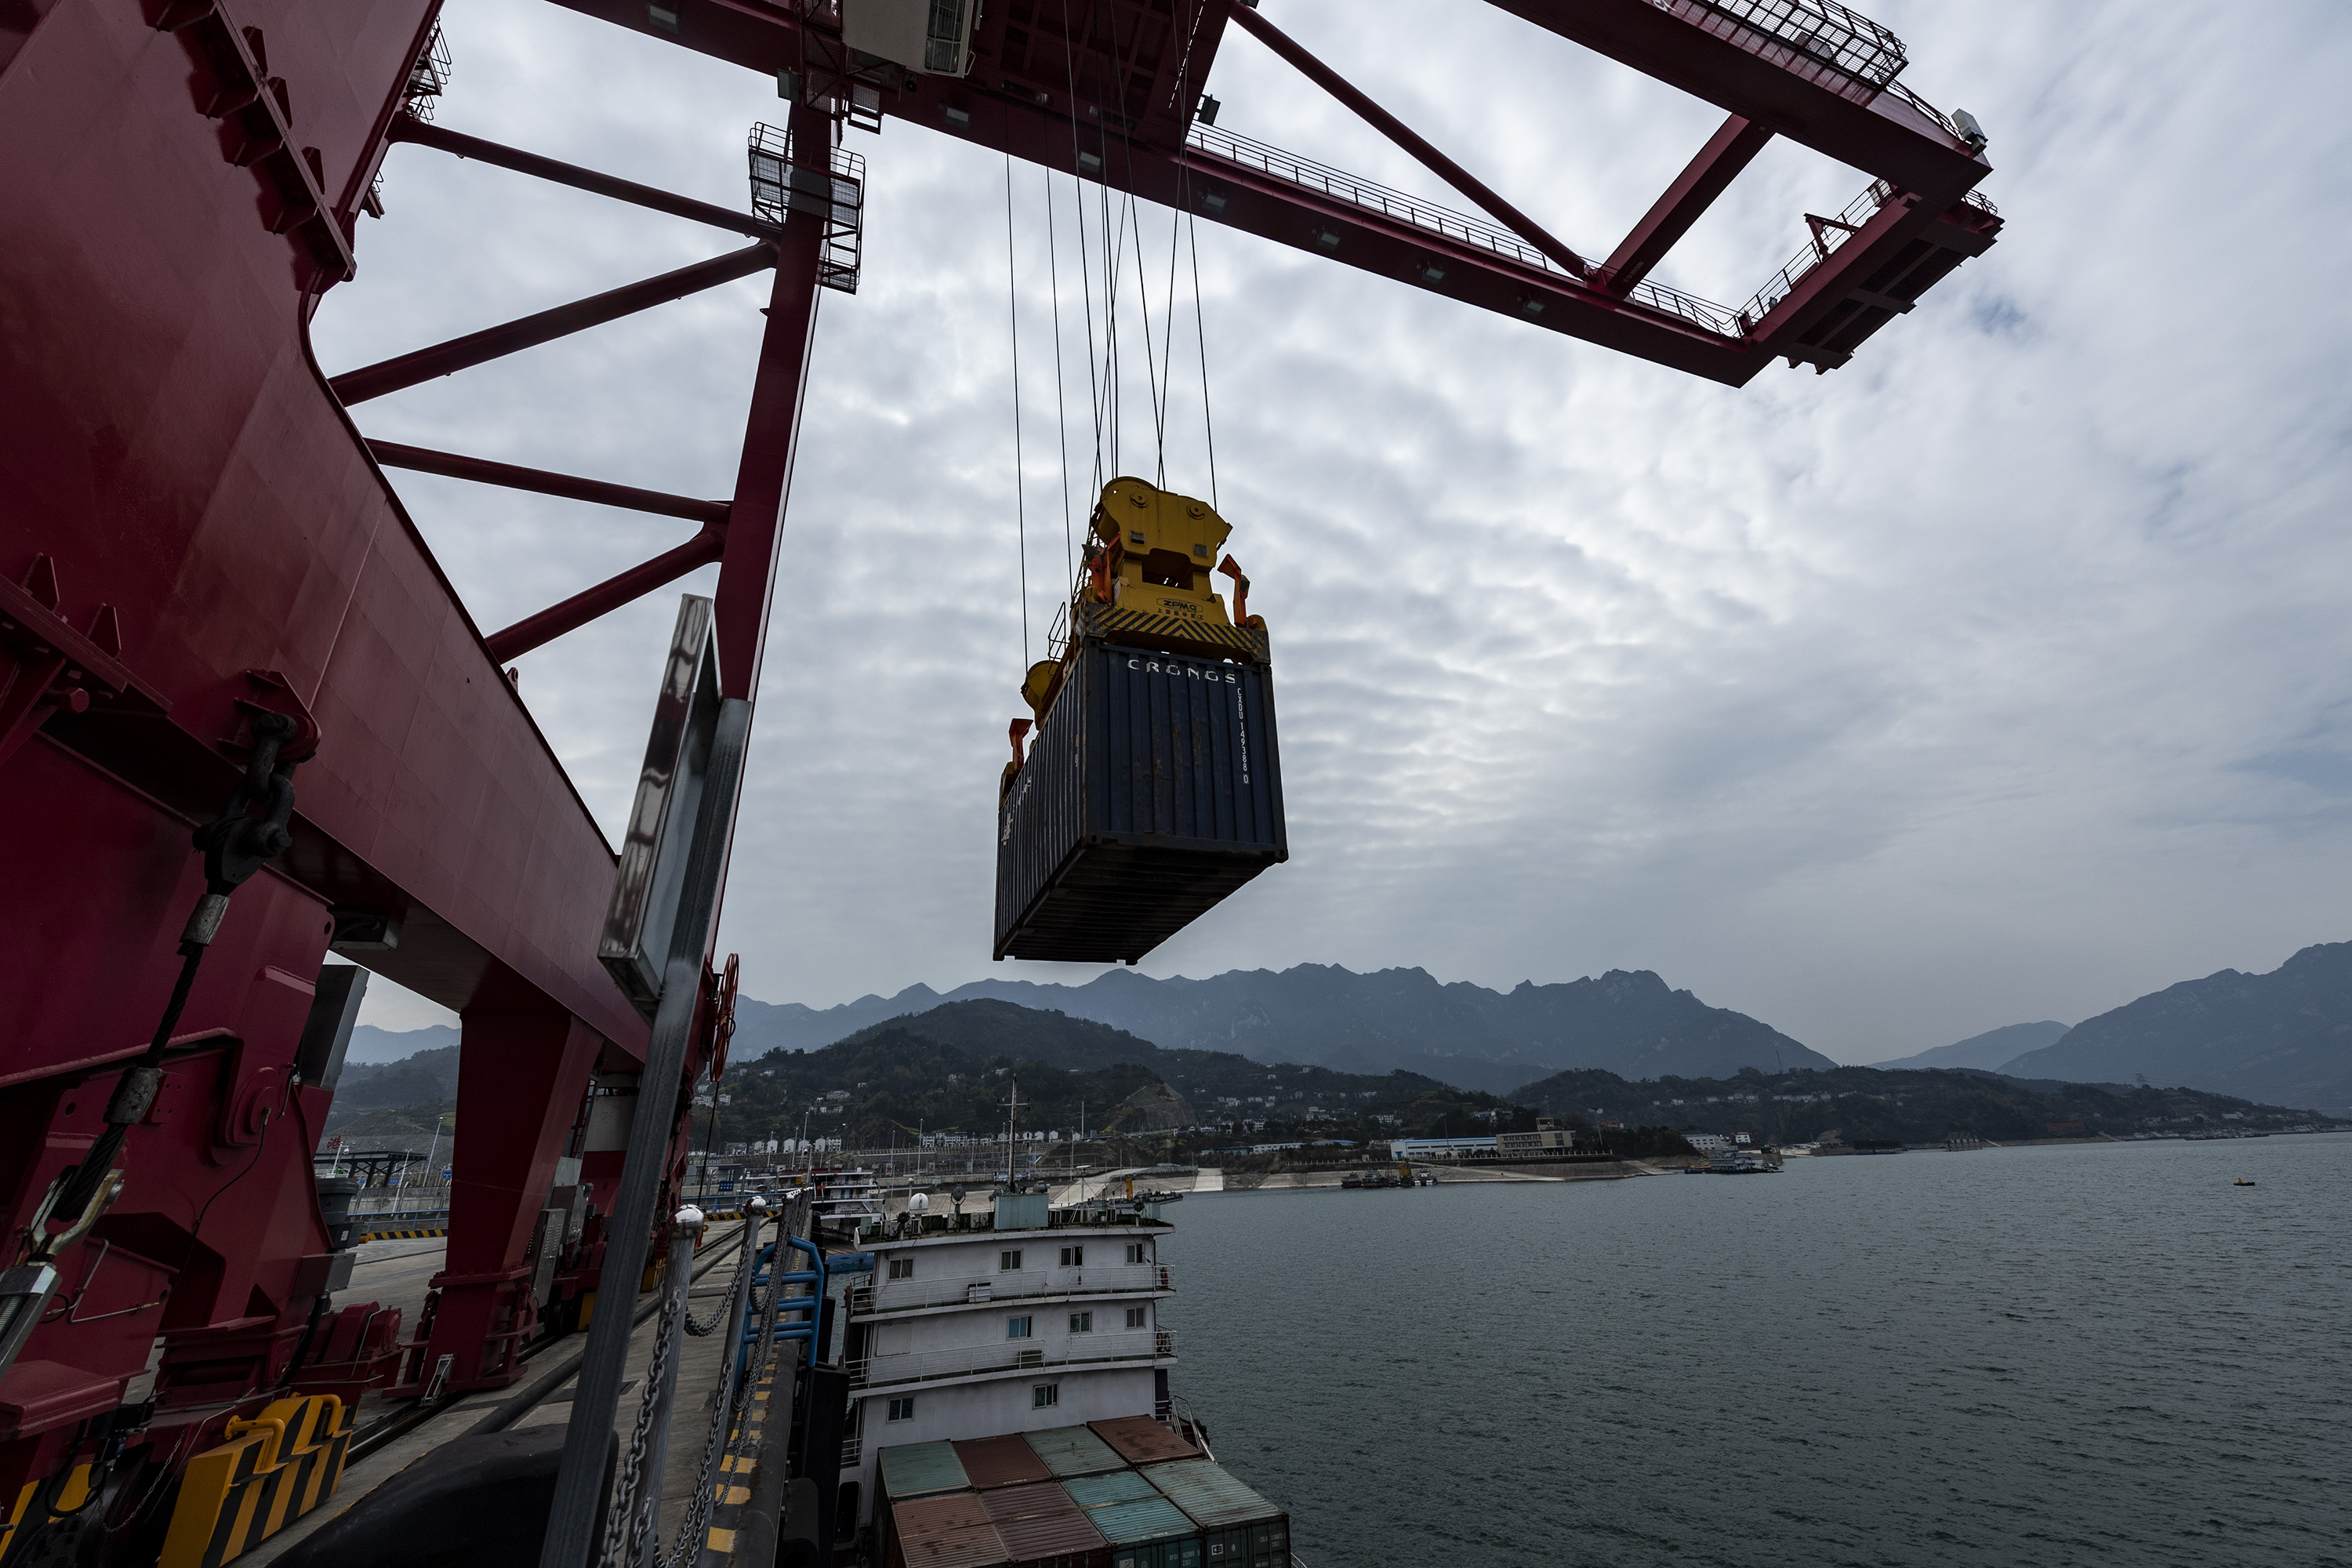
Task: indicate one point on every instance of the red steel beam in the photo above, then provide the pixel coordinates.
(1731, 149)
(581, 608)
(1396, 131)
(481, 470)
(763, 477)
(495, 343)
(424, 133)
(1882, 133)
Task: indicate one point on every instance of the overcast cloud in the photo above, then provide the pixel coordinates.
(2001, 675)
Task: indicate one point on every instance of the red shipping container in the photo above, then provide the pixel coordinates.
(1140, 1440)
(1027, 1502)
(1056, 1540)
(1006, 1461)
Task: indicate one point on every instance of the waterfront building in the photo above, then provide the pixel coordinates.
(1548, 1141)
(1020, 1319)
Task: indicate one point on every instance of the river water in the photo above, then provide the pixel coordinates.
(2101, 1355)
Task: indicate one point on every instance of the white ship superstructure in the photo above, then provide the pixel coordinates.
(1018, 1319)
(847, 1200)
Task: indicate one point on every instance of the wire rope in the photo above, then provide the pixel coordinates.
(1168, 341)
(1019, 490)
(1085, 265)
(1132, 220)
(1061, 401)
(1201, 336)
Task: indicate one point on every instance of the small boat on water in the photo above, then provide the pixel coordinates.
(1732, 1165)
(2243, 1182)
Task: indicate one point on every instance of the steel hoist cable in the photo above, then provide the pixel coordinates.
(1061, 401)
(1085, 265)
(1020, 484)
(1201, 336)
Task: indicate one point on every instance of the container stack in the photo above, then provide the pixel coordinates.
(1116, 1494)
(1152, 788)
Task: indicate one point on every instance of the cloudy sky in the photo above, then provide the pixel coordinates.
(2002, 675)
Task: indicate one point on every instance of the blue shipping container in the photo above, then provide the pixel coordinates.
(1153, 791)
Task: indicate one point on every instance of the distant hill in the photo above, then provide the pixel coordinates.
(373, 1046)
(2284, 1037)
(1914, 1106)
(1629, 1022)
(1992, 1050)
(387, 1096)
(995, 1031)
(896, 1078)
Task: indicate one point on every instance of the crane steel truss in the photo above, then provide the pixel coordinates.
(1107, 90)
(200, 552)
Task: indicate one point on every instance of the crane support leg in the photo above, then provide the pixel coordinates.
(520, 1080)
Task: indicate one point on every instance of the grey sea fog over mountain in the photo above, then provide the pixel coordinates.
(2017, 1358)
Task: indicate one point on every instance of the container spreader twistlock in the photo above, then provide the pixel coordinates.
(1152, 786)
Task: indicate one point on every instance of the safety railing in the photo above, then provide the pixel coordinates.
(835, 194)
(1826, 240)
(1012, 1284)
(1819, 41)
(1229, 147)
(1011, 1355)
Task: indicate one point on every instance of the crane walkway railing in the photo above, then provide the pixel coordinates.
(1209, 146)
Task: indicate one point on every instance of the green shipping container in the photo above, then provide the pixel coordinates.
(1074, 1451)
(1240, 1528)
(1150, 1533)
(1099, 1491)
(916, 1470)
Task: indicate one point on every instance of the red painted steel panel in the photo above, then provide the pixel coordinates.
(176, 454)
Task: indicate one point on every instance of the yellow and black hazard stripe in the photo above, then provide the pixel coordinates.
(70, 1497)
(273, 1470)
(737, 1470)
(1119, 625)
(401, 1234)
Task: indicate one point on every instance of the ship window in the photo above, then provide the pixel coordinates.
(1082, 1322)
(902, 1268)
(1016, 1328)
(1044, 1394)
(1135, 1252)
(1008, 1261)
(902, 1409)
(1074, 1256)
(1135, 1316)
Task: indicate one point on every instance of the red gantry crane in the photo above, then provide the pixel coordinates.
(246, 722)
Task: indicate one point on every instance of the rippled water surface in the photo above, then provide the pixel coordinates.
(2104, 1354)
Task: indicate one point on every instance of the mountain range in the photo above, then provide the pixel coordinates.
(1629, 1022)
(2284, 1037)
(1995, 1048)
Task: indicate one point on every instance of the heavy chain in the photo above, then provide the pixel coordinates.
(629, 1521)
(742, 1262)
